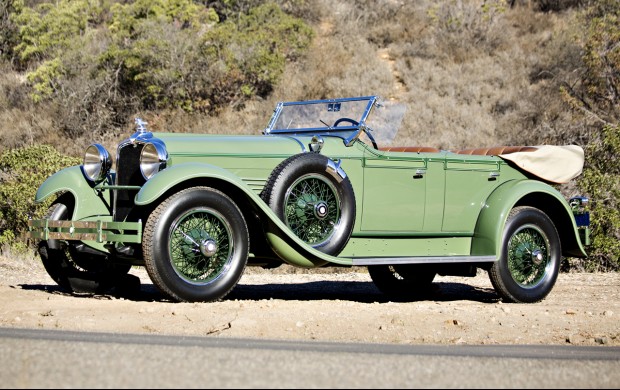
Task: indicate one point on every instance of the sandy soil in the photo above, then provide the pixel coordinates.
(340, 305)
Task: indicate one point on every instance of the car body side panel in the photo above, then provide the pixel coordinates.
(391, 246)
(468, 185)
(394, 196)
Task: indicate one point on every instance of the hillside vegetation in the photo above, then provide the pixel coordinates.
(472, 73)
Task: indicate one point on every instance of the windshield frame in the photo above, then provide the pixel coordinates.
(347, 133)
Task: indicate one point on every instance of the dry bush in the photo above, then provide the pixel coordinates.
(21, 125)
(489, 79)
(548, 5)
(462, 89)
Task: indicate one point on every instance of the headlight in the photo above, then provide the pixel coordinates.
(153, 159)
(97, 163)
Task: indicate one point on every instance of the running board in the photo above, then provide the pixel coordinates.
(361, 261)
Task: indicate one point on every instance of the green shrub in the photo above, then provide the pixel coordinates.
(601, 180)
(8, 28)
(98, 63)
(596, 97)
(22, 171)
(48, 29)
(201, 65)
(247, 57)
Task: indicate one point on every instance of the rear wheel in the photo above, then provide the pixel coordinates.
(196, 245)
(75, 271)
(530, 257)
(403, 280)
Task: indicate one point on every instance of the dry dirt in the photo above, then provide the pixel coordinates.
(342, 305)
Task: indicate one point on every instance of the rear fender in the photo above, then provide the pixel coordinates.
(490, 225)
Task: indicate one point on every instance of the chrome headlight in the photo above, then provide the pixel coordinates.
(97, 163)
(153, 158)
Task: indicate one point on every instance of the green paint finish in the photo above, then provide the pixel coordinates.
(394, 199)
(435, 196)
(88, 201)
(407, 247)
(467, 187)
(291, 255)
(490, 224)
(179, 173)
(199, 146)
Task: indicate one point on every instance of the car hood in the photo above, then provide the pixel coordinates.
(197, 144)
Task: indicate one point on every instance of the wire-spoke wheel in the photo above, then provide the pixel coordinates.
(196, 245)
(312, 208)
(530, 257)
(316, 204)
(75, 271)
(201, 243)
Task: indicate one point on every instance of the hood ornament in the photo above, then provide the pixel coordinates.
(141, 133)
(141, 125)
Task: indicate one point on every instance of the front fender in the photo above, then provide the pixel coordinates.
(285, 243)
(88, 201)
(490, 225)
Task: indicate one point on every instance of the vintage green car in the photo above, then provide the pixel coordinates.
(321, 186)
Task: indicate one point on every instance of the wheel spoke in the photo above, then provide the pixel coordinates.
(187, 235)
(528, 256)
(301, 216)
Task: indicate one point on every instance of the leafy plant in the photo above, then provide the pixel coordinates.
(22, 171)
(601, 180)
(596, 96)
(96, 63)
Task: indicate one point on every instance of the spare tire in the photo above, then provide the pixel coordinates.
(317, 203)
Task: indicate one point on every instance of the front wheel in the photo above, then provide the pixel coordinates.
(196, 245)
(75, 271)
(530, 257)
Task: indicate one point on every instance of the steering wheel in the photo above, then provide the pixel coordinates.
(351, 121)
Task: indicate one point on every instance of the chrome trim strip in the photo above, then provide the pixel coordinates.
(334, 169)
(301, 145)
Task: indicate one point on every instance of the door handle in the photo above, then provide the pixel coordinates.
(419, 173)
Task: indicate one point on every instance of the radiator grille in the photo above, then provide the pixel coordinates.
(127, 173)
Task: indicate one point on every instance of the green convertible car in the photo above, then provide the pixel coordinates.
(321, 186)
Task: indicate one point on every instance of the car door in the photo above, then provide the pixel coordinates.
(394, 192)
(469, 182)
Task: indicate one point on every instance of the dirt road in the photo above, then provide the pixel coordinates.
(582, 309)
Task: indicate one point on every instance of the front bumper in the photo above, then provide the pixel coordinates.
(98, 231)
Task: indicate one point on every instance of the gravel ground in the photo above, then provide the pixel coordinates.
(326, 305)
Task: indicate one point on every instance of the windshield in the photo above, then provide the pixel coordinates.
(348, 118)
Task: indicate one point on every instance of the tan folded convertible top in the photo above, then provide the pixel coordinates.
(556, 164)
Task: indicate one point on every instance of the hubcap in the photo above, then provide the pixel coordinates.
(528, 256)
(320, 210)
(208, 247)
(537, 256)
